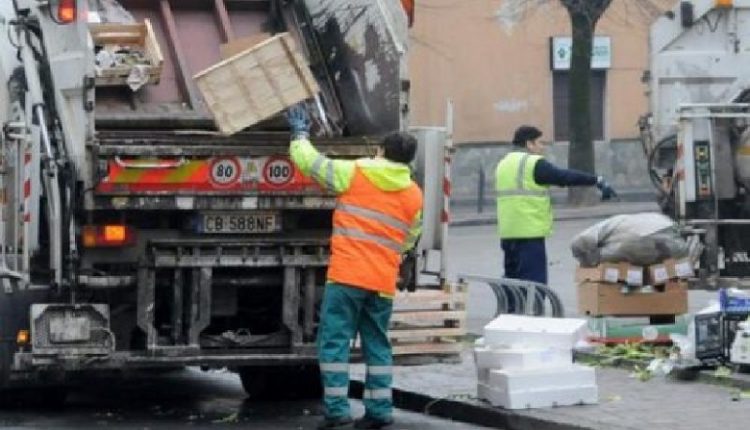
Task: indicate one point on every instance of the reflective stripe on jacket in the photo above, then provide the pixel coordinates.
(370, 230)
(524, 208)
(377, 202)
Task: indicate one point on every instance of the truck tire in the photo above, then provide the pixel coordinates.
(254, 381)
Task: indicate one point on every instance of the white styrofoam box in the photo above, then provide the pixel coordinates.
(508, 330)
(483, 375)
(479, 343)
(520, 357)
(528, 399)
(542, 379)
(483, 391)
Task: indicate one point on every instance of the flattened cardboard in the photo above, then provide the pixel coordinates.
(600, 299)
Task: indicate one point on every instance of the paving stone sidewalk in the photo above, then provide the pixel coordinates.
(624, 402)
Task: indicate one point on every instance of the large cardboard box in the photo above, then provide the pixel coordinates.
(659, 274)
(612, 273)
(600, 299)
(256, 83)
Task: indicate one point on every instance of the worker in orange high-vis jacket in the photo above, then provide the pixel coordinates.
(377, 218)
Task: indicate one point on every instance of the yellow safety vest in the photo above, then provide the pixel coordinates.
(524, 208)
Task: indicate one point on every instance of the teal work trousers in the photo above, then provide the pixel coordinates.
(346, 311)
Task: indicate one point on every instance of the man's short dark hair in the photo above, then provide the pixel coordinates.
(400, 147)
(525, 133)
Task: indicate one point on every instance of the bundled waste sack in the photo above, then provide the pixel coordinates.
(641, 239)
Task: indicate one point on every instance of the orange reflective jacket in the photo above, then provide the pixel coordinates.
(370, 229)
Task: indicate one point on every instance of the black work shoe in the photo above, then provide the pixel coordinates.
(334, 423)
(372, 423)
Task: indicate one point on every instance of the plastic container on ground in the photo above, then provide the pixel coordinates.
(544, 398)
(734, 301)
(517, 330)
(541, 379)
(520, 358)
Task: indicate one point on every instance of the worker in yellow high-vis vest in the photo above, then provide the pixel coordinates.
(524, 207)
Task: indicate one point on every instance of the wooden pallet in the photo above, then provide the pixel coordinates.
(137, 35)
(428, 325)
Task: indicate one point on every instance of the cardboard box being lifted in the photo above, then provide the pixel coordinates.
(603, 299)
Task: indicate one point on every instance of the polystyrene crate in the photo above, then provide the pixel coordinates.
(483, 391)
(521, 357)
(528, 399)
(483, 374)
(512, 330)
(542, 379)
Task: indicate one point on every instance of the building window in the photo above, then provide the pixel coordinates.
(560, 85)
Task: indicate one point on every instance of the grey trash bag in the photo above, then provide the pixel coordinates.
(640, 239)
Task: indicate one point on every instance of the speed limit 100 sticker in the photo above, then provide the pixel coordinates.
(278, 171)
(225, 171)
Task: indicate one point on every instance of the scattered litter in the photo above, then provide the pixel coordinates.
(722, 372)
(641, 373)
(629, 351)
(660, 366)
(613, 398)
(739, 394)
(229, 419)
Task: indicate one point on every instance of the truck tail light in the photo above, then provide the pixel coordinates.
(22, 337)
(409, 9)
(67, 11)
(107, 236)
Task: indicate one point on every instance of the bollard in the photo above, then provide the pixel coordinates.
(480, 190)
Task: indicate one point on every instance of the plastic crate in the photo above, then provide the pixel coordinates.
(733, 304)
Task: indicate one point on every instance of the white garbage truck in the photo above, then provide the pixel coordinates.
(133, 235)
(696, 135)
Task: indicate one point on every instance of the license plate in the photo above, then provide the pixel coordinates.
(240, 223)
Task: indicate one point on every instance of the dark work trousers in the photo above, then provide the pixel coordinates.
(525, 259)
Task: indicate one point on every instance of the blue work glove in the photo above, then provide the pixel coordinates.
(299, 121)
(608, 193)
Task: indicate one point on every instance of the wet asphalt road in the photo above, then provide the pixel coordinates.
(185, 399)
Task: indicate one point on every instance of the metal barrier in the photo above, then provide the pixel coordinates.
(520, 290)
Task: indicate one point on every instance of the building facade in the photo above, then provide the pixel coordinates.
(503, 63)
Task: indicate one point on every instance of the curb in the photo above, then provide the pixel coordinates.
(463, 411)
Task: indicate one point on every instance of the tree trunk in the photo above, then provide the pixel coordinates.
(581, 150)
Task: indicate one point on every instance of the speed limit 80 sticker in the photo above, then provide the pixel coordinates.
(225, 171)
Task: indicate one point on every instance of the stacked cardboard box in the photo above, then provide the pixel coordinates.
(527, 362)
(622, 289)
